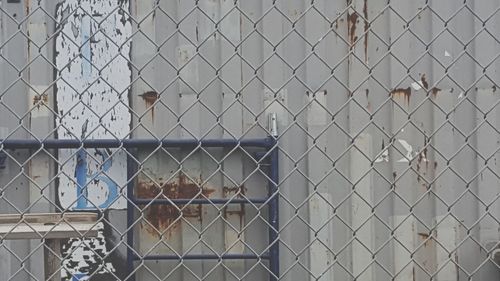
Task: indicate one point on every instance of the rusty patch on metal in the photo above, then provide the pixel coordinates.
(351, 27)
(424, 82)
(150, 98)
(435, 91)
(40, 99)
(368, 103)
(425, 237)
(367, 25)
(400, 92)
(167, 217)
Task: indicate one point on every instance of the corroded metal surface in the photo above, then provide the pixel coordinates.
(166, 218)
(386, 114)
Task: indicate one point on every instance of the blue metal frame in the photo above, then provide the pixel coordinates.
(132, 143)
(271, 154)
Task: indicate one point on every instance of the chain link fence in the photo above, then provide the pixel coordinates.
(249, 140)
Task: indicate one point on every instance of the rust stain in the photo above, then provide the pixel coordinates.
(27, 7)
(424, 82)
(426, 159)
(435, 91)
(419, 176)
(351, 27)
(425, 237)
(150, 98)
(400, 92)
(367, 25)
(368, 105)
(40, 99)
(167, 217)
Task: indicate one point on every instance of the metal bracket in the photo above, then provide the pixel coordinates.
(273, 124)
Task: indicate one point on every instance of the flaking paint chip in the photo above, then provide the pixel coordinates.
(416, 85)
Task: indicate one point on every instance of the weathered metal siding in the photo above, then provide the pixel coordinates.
(388, 121)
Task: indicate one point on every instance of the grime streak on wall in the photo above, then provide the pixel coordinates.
(401, 92)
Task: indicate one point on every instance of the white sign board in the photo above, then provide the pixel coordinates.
(92, 55)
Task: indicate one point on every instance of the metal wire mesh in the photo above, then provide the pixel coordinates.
(249, 140)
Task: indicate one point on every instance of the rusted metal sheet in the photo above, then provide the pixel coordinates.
(164, 219)
(401, 143)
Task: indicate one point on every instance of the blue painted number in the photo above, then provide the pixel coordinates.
(79, 277)
(83, 179)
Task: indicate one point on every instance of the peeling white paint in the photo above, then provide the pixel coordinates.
(84, 254)
(92, 96)
(384, 157)
(92, 103)
(416, 85)
(408, 151)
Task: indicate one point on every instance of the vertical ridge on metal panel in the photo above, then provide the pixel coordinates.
(189, 106)
(41, 122)
(320, 200)
(444, 224)
(233, 186)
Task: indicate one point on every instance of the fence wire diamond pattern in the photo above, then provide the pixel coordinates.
(249, 140)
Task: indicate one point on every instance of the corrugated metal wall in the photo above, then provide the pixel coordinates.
(388, 121)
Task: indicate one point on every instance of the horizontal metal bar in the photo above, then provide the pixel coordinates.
(132, 143)
(217, 201)
(203, 257)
